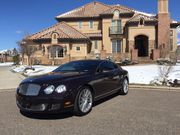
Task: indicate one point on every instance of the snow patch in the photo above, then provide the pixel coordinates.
(146, 14)
(6, 64)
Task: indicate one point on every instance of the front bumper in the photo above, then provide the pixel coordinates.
(43, 104)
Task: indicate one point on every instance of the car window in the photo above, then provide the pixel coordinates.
(107, 66)
(78, 66)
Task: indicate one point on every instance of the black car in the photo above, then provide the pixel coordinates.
(73, 86)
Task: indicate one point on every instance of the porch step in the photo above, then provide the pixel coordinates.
(145, 60)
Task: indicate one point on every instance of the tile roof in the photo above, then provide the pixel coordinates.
(92, 9)
(137, 18)
(95, 9)
(64, 31)
(122, 9)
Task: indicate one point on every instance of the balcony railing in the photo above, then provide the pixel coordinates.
(116, 30)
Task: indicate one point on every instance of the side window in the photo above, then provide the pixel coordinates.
(107, 66)
(115, 66)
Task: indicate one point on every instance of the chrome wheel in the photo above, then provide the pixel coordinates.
(125, 86)
(85, 100)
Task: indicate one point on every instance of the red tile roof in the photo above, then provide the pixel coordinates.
(92, 9)
(64, 31)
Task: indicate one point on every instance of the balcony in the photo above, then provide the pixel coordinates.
(113, 30)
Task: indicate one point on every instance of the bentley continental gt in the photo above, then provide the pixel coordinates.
(74, 86)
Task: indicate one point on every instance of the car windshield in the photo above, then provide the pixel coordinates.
(78, 66)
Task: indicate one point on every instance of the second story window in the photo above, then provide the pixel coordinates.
(80, 24)
(116, 27)
(91, 24)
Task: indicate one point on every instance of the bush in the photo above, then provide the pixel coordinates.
(16, 59)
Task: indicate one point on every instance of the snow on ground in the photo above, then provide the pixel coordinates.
(33, 70)
(138, 74)
(6, 64)
(144, 74)
(39, 70)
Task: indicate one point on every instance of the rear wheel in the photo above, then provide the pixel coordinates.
(125, 87)
(83, 101)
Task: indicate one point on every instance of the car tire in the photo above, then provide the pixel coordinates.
(83, 101)
(125, 87)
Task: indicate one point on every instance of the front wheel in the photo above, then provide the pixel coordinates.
(83, 101)
(125, 87)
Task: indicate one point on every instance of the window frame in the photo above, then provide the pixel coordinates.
(91, 24)
(80, 24)
(116, 46)
(78, 50)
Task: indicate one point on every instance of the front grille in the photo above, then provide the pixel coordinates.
(29, 89)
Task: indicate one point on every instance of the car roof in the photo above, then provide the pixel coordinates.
(90, 60)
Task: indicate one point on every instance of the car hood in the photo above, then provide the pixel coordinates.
(52, 77)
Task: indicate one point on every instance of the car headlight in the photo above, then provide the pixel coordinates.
(60, 89)
(49, 89)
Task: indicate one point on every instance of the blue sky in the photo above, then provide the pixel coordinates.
(30, 16)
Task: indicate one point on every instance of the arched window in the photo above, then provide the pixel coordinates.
(54, 36)
(116, 13)
(141, 21)
(56, 51)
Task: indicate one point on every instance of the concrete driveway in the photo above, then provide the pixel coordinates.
(9, 80)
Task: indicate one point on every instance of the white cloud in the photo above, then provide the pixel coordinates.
(19, 32)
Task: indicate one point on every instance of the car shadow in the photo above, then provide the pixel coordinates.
(63, 115)
(48, 116)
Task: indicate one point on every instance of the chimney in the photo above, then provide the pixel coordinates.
(163, 27)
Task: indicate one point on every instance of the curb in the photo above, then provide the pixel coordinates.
(154, 87)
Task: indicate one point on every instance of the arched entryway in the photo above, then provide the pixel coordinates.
(142, 45)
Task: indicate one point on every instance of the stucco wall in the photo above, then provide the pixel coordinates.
(85, 26)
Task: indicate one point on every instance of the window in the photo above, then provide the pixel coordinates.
(141, 21)
(171, 44)
(171, 32)
(56, 52)
(78, 48)
(106, 66)
(54, 35)
(91, 24)
(95, 44)
(116, 27)
(80, 25)
(116, 13)
(116, 46)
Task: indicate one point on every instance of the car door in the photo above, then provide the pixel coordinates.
(104, 80)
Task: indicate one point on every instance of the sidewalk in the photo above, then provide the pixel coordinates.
(9, 80)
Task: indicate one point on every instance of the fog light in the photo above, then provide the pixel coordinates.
(67, 103)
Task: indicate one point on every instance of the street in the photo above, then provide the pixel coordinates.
(141, 112)
(9, 80)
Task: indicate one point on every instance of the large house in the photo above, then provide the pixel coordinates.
(100, 30)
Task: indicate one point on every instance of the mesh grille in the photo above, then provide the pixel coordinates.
(29, 89)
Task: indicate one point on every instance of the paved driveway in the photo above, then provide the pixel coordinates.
(141, 112)
(8, 79)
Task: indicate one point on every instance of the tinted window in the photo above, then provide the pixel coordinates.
(78, 66)
(107, 66)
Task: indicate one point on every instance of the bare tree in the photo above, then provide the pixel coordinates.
(26, 47)
(164, 72)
